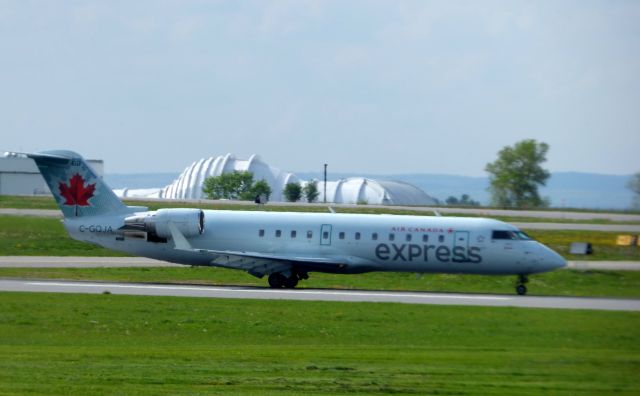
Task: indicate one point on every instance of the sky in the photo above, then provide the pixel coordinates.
(383, 87)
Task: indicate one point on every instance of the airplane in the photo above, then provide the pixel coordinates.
(285, 246)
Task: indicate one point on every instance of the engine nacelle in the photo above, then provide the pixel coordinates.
(190, 222)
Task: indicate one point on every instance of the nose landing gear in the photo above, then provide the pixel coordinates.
(521, 289)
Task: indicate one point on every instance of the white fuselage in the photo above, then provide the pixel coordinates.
(353, 242)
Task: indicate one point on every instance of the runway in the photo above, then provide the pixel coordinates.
(630, 228)
(320, 295)
(485, 212)
(80, 262)
(115, 262)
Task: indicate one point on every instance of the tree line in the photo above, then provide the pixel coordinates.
(240, 185)
(514, 179)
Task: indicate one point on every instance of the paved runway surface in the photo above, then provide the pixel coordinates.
(579, 227)
(548, 214)
(321, 295)
(633, 228)
(80, 262)
(97, 262)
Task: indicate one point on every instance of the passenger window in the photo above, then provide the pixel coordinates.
(408, 237)
(341, 235)
(278, 233)
(293, 233)
(441, 238)
(357, 236)
(309, 234)
(392, 237)
(261, 233)
(374, 236)
(425, 238)
(325, 235)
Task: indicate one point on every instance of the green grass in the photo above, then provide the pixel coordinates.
(39, 236)
(35, 236)
(110, 344)
(604, 244)
(26, 202)
(49, 203)
(557, 283)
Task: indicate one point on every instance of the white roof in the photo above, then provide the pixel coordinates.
(362, 190)
(352, 190)
(189, 184)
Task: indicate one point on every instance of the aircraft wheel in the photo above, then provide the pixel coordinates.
(291, 282)
(521, 290)
(277, 280)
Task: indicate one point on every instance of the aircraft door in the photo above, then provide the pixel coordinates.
(325, 234)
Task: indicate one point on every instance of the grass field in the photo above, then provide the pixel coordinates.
(39, 236)
(556, 283)
(111, 344)
(114, 344)
(49, 203)
(35, 236)
(604, 244)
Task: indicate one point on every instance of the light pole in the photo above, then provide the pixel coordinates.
(325, 183)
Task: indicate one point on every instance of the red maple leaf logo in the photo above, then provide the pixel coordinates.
(76, 193)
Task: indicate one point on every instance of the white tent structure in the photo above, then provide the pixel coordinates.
(189, 184)
(352, 190)
(360, 190)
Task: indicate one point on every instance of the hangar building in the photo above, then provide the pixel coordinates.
(355, 190)
(352, 190)
(19, 175)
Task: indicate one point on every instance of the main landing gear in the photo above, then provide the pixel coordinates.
(521, 289)
(278, 279)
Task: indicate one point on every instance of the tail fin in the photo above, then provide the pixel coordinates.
(75, 186)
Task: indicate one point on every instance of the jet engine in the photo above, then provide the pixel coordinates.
(190, 222)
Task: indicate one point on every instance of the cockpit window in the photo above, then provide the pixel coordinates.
(503, 235)
(510, 235)
(522, 235)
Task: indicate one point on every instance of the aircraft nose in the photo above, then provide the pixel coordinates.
(553, 260)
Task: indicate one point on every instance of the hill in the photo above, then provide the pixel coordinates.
(565, 189)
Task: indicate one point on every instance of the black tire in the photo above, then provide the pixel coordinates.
(521, 290)
(291, 282)
(276, 280)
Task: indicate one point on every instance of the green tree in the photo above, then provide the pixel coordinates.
(310, 191)
(292, 192)
(260, 188)
(516, 175)
(634, 185)
(465, 200)
(228, 185)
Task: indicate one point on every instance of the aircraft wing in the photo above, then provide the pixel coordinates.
(258, 264)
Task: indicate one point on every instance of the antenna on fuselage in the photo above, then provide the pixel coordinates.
(435, 212)
(331, 209)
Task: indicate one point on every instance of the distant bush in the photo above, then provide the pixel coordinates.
(292, 192)
(310, 191)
